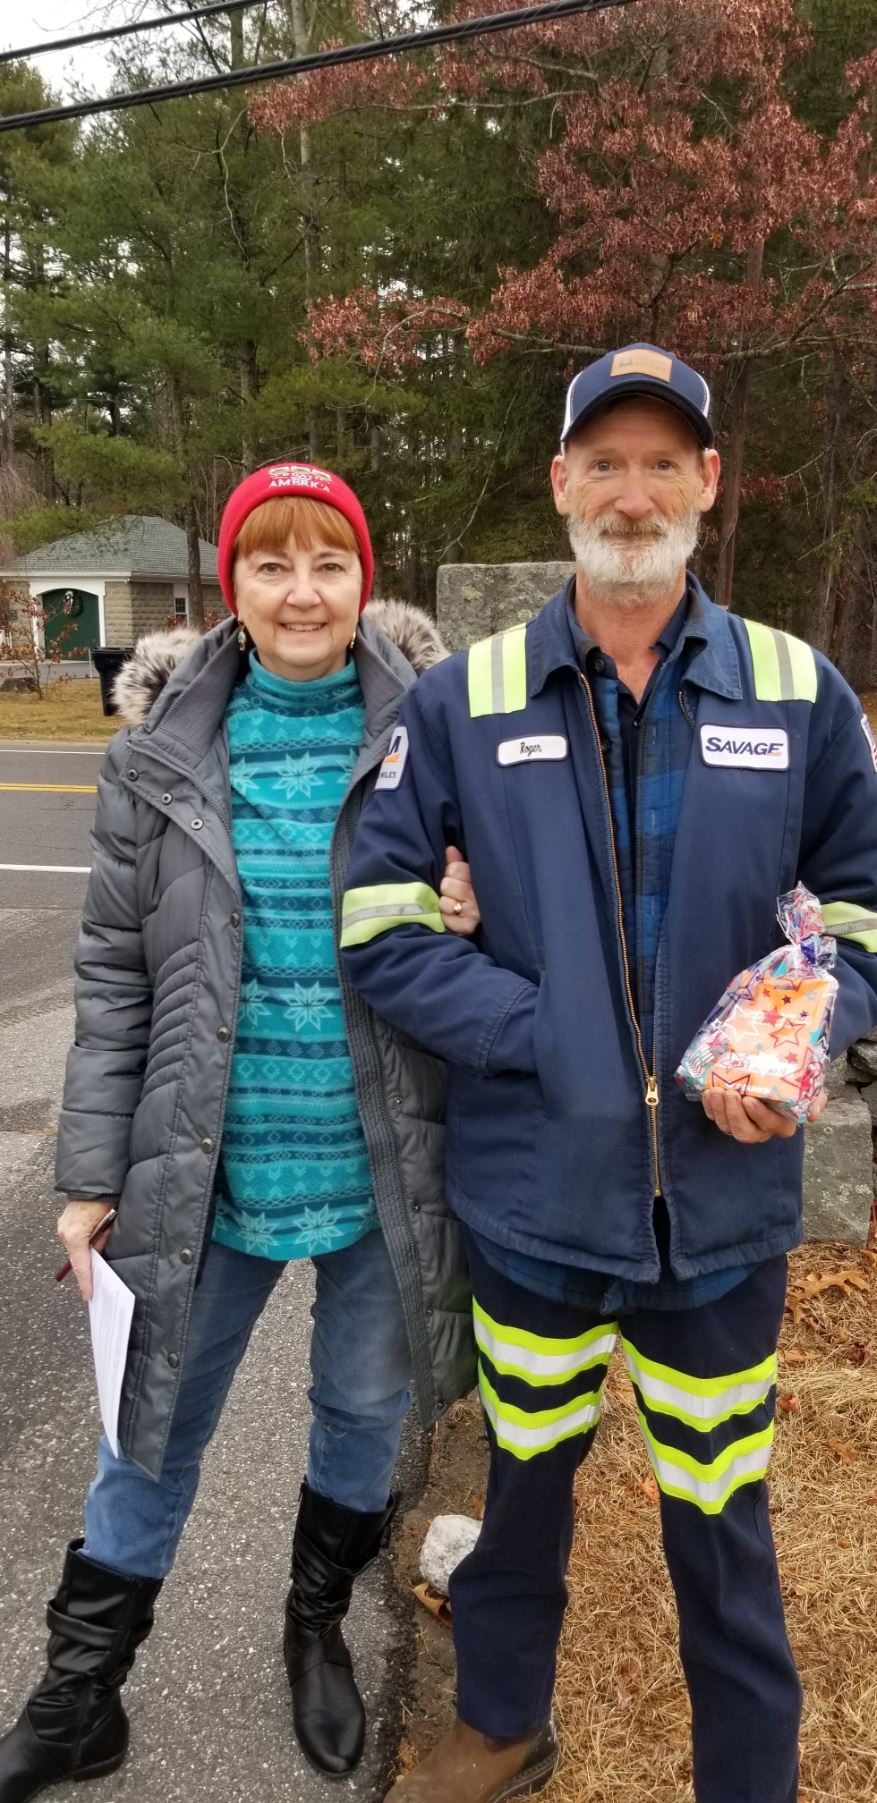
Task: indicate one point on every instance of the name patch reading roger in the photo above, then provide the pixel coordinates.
(551, 747)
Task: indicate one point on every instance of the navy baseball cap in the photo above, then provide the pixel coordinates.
(639, 369)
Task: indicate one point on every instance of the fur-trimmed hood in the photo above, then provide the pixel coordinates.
(156, 657)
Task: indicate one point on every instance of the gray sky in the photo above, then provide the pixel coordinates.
(30, 21)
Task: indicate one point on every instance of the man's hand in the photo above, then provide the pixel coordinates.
(752, 1122)
(457, 899)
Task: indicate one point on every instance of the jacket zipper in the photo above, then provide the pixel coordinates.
(651, 1097)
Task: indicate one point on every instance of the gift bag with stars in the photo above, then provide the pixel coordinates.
(768, 1037)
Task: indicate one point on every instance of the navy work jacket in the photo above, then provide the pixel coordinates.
(562, 1123)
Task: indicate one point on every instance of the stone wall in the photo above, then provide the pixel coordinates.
(17, 592)
(859, 1124)
(16, 595)
(838, 1161)
(117, 613)
(152, 605)
(474, 600)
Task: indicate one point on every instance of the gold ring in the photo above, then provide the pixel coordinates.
(458, 907)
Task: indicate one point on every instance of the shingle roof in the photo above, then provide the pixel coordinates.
(133, 544)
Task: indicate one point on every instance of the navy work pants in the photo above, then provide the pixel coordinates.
(705, 1386)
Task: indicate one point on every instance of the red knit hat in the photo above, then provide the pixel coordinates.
(276, 483)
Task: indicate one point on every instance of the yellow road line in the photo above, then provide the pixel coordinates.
(50, 788)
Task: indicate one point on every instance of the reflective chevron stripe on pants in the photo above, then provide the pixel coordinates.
(705, 1387)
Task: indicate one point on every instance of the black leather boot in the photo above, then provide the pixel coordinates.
(74, 1726)
(332, 1545)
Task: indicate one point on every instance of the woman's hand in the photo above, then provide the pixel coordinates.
(457, 900)
(75, 1227)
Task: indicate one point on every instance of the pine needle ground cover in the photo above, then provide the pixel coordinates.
(621, 1703)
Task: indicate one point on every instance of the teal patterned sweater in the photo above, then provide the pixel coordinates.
(294, 1177)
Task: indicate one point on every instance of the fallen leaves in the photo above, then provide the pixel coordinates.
(840, 1448)
(430, 1600)
(814, 1284)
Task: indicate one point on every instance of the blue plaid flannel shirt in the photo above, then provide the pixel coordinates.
(646, 747)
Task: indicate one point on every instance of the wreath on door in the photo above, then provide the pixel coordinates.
(73, 604)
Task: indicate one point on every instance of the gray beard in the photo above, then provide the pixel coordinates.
(639, 572)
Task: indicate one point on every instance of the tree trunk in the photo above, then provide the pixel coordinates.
(833, 594)
(733, 462)
(8, 366)
(176, 412)
(249, 388)
(193, 559)
(312, 246)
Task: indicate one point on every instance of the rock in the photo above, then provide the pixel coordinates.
(839, 1174)
(840, 1079)
(476, 599)
(449, 1539)
(869, 1097)
(862, 1059)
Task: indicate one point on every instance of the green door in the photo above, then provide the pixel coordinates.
(72, 622)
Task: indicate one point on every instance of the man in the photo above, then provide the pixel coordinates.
(626, 869)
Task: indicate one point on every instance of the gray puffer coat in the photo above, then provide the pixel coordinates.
(158, 979)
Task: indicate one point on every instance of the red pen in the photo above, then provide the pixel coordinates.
(107, 1221)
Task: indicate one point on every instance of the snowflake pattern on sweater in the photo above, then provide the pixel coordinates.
(294, 1179)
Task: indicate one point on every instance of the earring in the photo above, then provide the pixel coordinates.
(352, 641)
(242, 638)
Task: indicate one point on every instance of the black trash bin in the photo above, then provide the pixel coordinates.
(108, 662)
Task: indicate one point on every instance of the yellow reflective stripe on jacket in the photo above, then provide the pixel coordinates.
(524, 1434)
(784, 668)
(374, 909)
(699, 1402)
(847, 920)
(498, 673)
(515, 1353)
(708, 1486)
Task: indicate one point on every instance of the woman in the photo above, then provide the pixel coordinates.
(244, 1107)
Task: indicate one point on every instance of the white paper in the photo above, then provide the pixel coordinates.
(110, 1313)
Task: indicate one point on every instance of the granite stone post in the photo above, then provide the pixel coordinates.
(476, 599)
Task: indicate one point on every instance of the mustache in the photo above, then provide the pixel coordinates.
(616, 526)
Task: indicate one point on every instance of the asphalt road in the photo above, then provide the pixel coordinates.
(208, 1698)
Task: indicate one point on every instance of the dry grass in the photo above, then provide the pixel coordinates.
(621, 1703)
(70, 710)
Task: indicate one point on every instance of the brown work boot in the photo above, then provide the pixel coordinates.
(467, 1767)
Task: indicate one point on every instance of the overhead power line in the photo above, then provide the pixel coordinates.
(455, 32)
(125, 31)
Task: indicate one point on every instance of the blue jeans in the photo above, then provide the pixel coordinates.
(360, 1369)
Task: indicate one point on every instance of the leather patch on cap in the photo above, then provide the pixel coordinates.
(642, 363)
